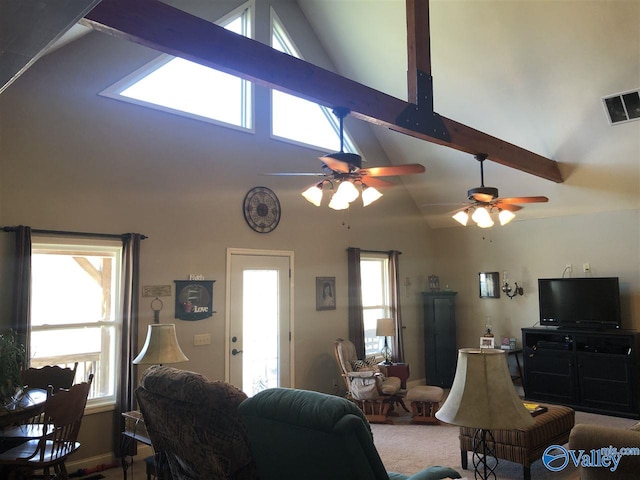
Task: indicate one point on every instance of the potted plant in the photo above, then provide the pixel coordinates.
(12, 359)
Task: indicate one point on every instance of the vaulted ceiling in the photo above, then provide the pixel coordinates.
(529, 73)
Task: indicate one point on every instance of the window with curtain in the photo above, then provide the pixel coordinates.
(75, 309)
(376, 300)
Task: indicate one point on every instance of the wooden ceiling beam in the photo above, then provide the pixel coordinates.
(164, 28)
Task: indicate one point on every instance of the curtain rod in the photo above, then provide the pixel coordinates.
(375, 251)
(75, 234)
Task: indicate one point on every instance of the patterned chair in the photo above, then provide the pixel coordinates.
(367, 387)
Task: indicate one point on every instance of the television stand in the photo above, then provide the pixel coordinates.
(590, 370)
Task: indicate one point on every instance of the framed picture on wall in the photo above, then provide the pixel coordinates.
(489, 284)
(325, 293)
(194, 299)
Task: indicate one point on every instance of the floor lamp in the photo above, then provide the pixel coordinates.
(385, 327)
(483, 397)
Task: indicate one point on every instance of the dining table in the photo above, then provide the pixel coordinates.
(24, 405)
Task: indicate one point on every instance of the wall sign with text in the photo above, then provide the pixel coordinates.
(194, 299)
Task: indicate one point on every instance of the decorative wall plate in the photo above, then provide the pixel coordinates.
(261, 209)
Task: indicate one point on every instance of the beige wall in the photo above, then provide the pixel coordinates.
(72, 160)
(609, 242)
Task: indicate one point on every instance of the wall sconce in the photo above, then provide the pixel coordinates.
(506, 288)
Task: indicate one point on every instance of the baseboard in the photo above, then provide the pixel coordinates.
(104, 459)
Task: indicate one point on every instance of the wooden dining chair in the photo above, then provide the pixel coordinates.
(63, 415)
(50, 377)
(54, 375)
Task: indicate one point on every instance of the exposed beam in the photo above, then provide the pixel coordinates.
(29, 27)
(164, 28)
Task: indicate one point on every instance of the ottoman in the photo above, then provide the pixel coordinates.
(425, 402)
(526, 446)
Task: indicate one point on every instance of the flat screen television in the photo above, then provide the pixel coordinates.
(592, 302)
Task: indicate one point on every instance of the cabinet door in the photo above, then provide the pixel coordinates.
(606, 382)
(440, 340)
(550, 376)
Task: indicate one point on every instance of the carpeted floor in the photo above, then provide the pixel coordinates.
(407, 448)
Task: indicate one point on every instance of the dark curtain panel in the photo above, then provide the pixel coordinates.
(129, 346)
(21, 319)
(396, 314)
(356, 324)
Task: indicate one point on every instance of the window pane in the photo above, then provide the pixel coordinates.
(372, 282)
(75, 293)
(260, 322)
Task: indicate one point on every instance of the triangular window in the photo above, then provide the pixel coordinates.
(179, 86)
(296, 119)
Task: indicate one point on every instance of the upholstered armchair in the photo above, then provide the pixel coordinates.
(302, 434)
(589, 437)
(209, 430)
(366, 385)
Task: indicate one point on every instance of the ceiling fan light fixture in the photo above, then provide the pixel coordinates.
(505, 217)
(313, 194)
(482, 217)
(347, 191)
(369, 195)
(461, 217)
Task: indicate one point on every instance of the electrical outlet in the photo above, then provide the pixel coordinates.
(202, 339)
(586, 267)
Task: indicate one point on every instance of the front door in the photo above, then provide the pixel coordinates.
(259, 322)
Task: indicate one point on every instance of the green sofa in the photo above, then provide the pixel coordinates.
(211, 430)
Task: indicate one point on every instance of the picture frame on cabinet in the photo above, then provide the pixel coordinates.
(487, 342)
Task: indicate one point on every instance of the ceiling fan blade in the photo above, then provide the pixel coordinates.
(376, 182)
(294, 174)
(524, 200)
(342, 162)
(507, 206)
(408, 169)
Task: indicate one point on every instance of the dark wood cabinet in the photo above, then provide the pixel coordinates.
(595, 371)
(441, 354)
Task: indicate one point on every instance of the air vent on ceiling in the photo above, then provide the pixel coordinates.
(622, 107)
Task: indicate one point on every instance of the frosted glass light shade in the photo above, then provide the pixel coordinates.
(482, 218)
(313, 194)
(347, 191)
(506, 216)
(461, 217)
(338, 203)
(161, 346)
(370, 195)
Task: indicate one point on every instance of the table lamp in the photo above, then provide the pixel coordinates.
(161, 346)
(385, 327)
(483, 397)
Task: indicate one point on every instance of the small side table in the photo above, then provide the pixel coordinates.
(136, 431)
(516, 352)
(400, 370)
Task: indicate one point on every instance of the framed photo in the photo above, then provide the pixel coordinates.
(325, 293)
(486, 342)
(489, 283)
(434, 283)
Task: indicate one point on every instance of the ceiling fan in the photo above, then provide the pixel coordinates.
(485, 200)
(343, 172)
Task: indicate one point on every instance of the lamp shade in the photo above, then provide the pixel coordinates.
(385, 327)
(482, 395)
(313, 194)
(161, 346)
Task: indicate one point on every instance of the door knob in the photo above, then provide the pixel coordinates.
(235, 351)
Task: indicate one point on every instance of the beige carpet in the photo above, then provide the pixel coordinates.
(409, 448)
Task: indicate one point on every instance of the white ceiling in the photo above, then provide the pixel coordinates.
(528, 72)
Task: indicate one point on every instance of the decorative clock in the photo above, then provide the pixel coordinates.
(261, 209)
